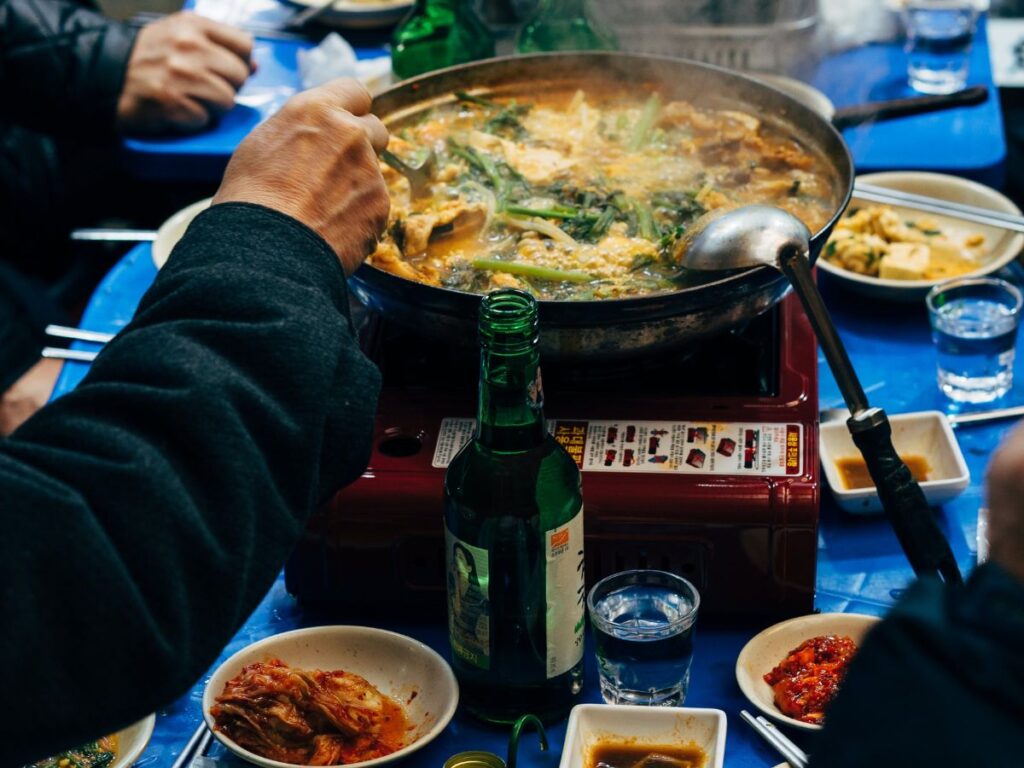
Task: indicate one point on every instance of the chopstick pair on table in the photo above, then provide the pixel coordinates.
(194, 753)
(875, 194)
(792, 754)
(76, 334)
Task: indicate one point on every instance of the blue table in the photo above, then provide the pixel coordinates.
(860, 566)
(967, 141)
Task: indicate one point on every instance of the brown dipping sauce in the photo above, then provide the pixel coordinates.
(611, 754)
(854, 472)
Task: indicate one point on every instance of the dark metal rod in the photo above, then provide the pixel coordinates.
(797, 268)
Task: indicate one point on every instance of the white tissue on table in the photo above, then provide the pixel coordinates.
(335, 58)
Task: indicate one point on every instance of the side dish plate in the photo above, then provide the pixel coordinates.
(766, 649)
(132, 741)
(399, 666)
(1001, 246)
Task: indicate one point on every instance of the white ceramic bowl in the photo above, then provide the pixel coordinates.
(1001, 246)
(766, 649)
(131, 741)
(399, 666)
(172, 230)
(590, 724)
(925, 433)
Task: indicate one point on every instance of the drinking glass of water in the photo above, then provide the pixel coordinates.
(939, 37)
(643, 625)
(974, 327)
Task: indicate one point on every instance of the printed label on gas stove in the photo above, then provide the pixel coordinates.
(701, 448)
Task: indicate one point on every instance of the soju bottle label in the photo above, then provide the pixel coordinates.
(469, 607)
(565, 594)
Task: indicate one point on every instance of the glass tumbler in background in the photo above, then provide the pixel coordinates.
(643, 624)
(939, 38)
(974, 327)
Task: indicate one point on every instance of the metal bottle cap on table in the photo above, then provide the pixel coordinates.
(474, 759)
(482, 759)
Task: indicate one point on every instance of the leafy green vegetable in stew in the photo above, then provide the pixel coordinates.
(572, 195)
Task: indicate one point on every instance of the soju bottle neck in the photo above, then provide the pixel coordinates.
(435, 5)
(511, 411)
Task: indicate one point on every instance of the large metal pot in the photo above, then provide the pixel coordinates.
(611, 328)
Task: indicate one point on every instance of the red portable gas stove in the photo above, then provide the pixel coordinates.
(704, 464)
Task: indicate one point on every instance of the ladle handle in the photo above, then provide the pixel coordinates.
(797, 268)
(902, 499)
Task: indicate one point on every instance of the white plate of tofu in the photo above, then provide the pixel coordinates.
(897, 253)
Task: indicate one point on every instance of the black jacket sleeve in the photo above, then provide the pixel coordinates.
(145, 514)
(939, 682)
(62, 66)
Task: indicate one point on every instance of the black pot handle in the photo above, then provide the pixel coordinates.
(902, 498)
(846, 117)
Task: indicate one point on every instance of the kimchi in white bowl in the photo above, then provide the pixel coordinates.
(330, 695)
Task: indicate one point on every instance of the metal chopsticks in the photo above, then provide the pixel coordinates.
(196, 746)
(77, 334)
(871, 193)
(792, 754)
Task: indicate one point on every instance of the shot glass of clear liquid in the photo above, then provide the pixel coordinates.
(974, 327)
(643, 624)
(939, 38)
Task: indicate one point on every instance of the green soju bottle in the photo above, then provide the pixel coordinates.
(564, 25)
(469, 38)
(514, 536)
(420, 42)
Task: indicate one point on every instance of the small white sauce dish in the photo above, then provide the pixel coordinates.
(924, 433)
(591, 724)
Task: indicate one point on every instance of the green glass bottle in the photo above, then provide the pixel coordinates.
(514, 536)
(564, 25)
(420, 42)
(469, 39)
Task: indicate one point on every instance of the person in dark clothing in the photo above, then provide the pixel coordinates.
(146, 513)
(73, 81)
(941, 680)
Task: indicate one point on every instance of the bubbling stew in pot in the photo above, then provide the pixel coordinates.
(578, 196)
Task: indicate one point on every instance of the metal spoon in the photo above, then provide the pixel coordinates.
(419, 176)
(758, 235)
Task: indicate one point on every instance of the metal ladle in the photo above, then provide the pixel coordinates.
(757, 235)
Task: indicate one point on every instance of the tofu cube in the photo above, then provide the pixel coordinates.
(905, 261)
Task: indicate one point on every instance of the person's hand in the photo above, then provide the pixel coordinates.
(28, 394)
(316, 161)
(1006, 504)
(183, 71)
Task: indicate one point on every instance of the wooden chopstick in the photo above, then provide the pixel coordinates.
(792, 754)
(871, 193)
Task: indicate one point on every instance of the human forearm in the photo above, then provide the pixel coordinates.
(62, 67)
(161, 496)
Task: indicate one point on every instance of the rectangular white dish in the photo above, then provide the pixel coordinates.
(925, 433)
(590, 724)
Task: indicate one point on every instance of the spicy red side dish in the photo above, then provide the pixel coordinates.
(309, 718)
(809, 677)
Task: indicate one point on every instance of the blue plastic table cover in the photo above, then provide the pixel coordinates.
(861, 568)
(967, 141)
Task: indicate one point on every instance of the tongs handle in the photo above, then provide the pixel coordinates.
(902, 498)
